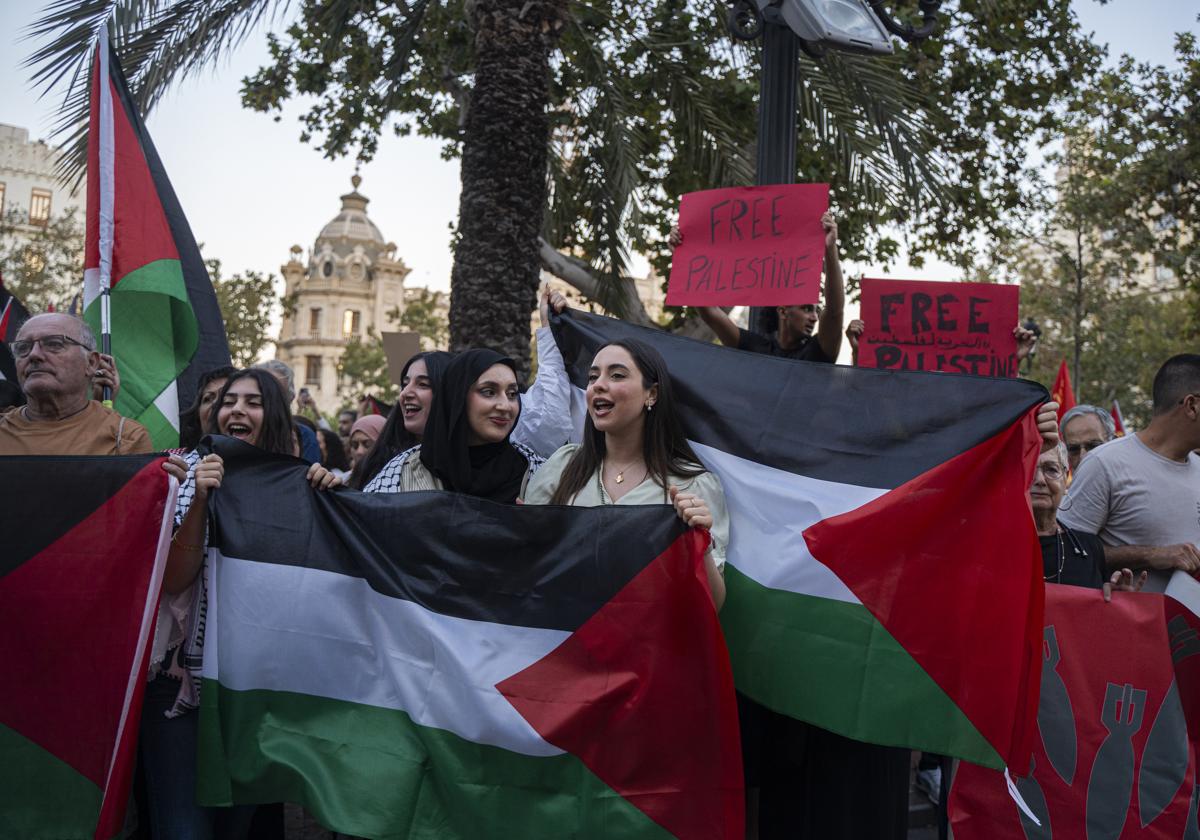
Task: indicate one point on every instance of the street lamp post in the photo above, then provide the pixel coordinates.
(787, 26)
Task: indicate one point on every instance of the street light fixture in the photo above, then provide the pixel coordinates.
(786, 27)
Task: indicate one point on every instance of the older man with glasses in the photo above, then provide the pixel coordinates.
(1084, 428)
(58, 368)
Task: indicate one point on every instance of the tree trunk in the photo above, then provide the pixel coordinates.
(493, 285)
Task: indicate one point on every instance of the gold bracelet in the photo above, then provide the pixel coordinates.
(185, 546)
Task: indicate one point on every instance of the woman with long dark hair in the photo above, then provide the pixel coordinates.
(405, 424)
(634, 452)
(250, 407)
(193, 420)
(466, 446)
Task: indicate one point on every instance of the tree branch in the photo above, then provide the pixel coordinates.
(579, 274)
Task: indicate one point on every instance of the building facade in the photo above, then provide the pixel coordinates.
(29, 190)
(351, 284)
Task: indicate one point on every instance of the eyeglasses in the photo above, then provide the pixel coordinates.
(1086, 446)
(53, 344)
(1051, 471)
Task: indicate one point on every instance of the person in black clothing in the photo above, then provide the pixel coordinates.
(809, 332)
(1070, 556)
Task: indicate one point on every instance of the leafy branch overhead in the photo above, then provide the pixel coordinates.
(648, 99)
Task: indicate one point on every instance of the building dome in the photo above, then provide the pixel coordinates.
(351, 226)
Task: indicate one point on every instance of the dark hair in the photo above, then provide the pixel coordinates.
(664, 448)
(1178, 377)
(304, 421)
(189, 419)
(393, 437)
(275, 434)
(335, 453)
(352, 412)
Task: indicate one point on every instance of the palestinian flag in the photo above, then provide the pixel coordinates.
(166, 324)
(883, 574)
(435, 665)
(80, 573)
(1118, 723)
(12, 316)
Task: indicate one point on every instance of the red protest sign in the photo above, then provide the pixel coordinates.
(1117, 718)
(750, 246)
(951, 327)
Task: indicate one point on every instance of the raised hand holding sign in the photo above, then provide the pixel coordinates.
(750, 246)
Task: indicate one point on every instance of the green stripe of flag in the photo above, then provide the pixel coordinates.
(154, 335)
(55, 801)
(373, 772)
(809, 657)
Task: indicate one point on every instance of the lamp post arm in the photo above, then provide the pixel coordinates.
(929, 12)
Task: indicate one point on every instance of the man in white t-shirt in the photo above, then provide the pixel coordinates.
(1141, 493)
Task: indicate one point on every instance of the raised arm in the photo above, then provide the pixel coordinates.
(720, 323)
(829, 329)
(714, 316)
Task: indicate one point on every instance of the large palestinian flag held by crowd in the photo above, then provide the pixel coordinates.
(883, 573)
(166, 324)
(84, 548)
(436, 665)
(1118, 726)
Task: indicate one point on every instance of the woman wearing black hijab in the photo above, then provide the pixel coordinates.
(466, 446)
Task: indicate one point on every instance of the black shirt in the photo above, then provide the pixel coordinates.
(809, 349)
(1082, 558)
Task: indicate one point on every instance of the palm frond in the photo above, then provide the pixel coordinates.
(158, 43)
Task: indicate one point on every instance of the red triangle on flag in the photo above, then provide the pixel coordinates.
(70, 620)
(622, 679)
(949, 564)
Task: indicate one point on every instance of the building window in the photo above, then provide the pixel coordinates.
(39, 207)
(314, 321)
(1, 198)
(351, 323)
(312, 370)
(327, 268)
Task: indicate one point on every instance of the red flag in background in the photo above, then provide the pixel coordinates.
(1118, 419)
(1062, 393)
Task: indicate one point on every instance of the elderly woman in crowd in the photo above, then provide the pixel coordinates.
(1069, 556)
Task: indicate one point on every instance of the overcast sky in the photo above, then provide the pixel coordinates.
(251, 189)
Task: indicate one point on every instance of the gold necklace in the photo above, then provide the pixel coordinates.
(620, 479)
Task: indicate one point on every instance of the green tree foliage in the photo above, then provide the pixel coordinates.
(647, 99)
(363, 369)
(247, 301)
(1108, 270)
(42, 265)
(424, 314)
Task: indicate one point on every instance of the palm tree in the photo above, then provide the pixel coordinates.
(579, 125)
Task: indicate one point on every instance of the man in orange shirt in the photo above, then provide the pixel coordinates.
(57, 368)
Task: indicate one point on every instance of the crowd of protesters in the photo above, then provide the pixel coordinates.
(461, 423)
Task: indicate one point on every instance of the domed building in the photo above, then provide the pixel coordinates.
(350, 283)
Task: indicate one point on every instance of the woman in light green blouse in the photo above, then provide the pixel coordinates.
(634, 452)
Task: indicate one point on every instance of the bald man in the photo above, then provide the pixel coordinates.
(57, 368)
